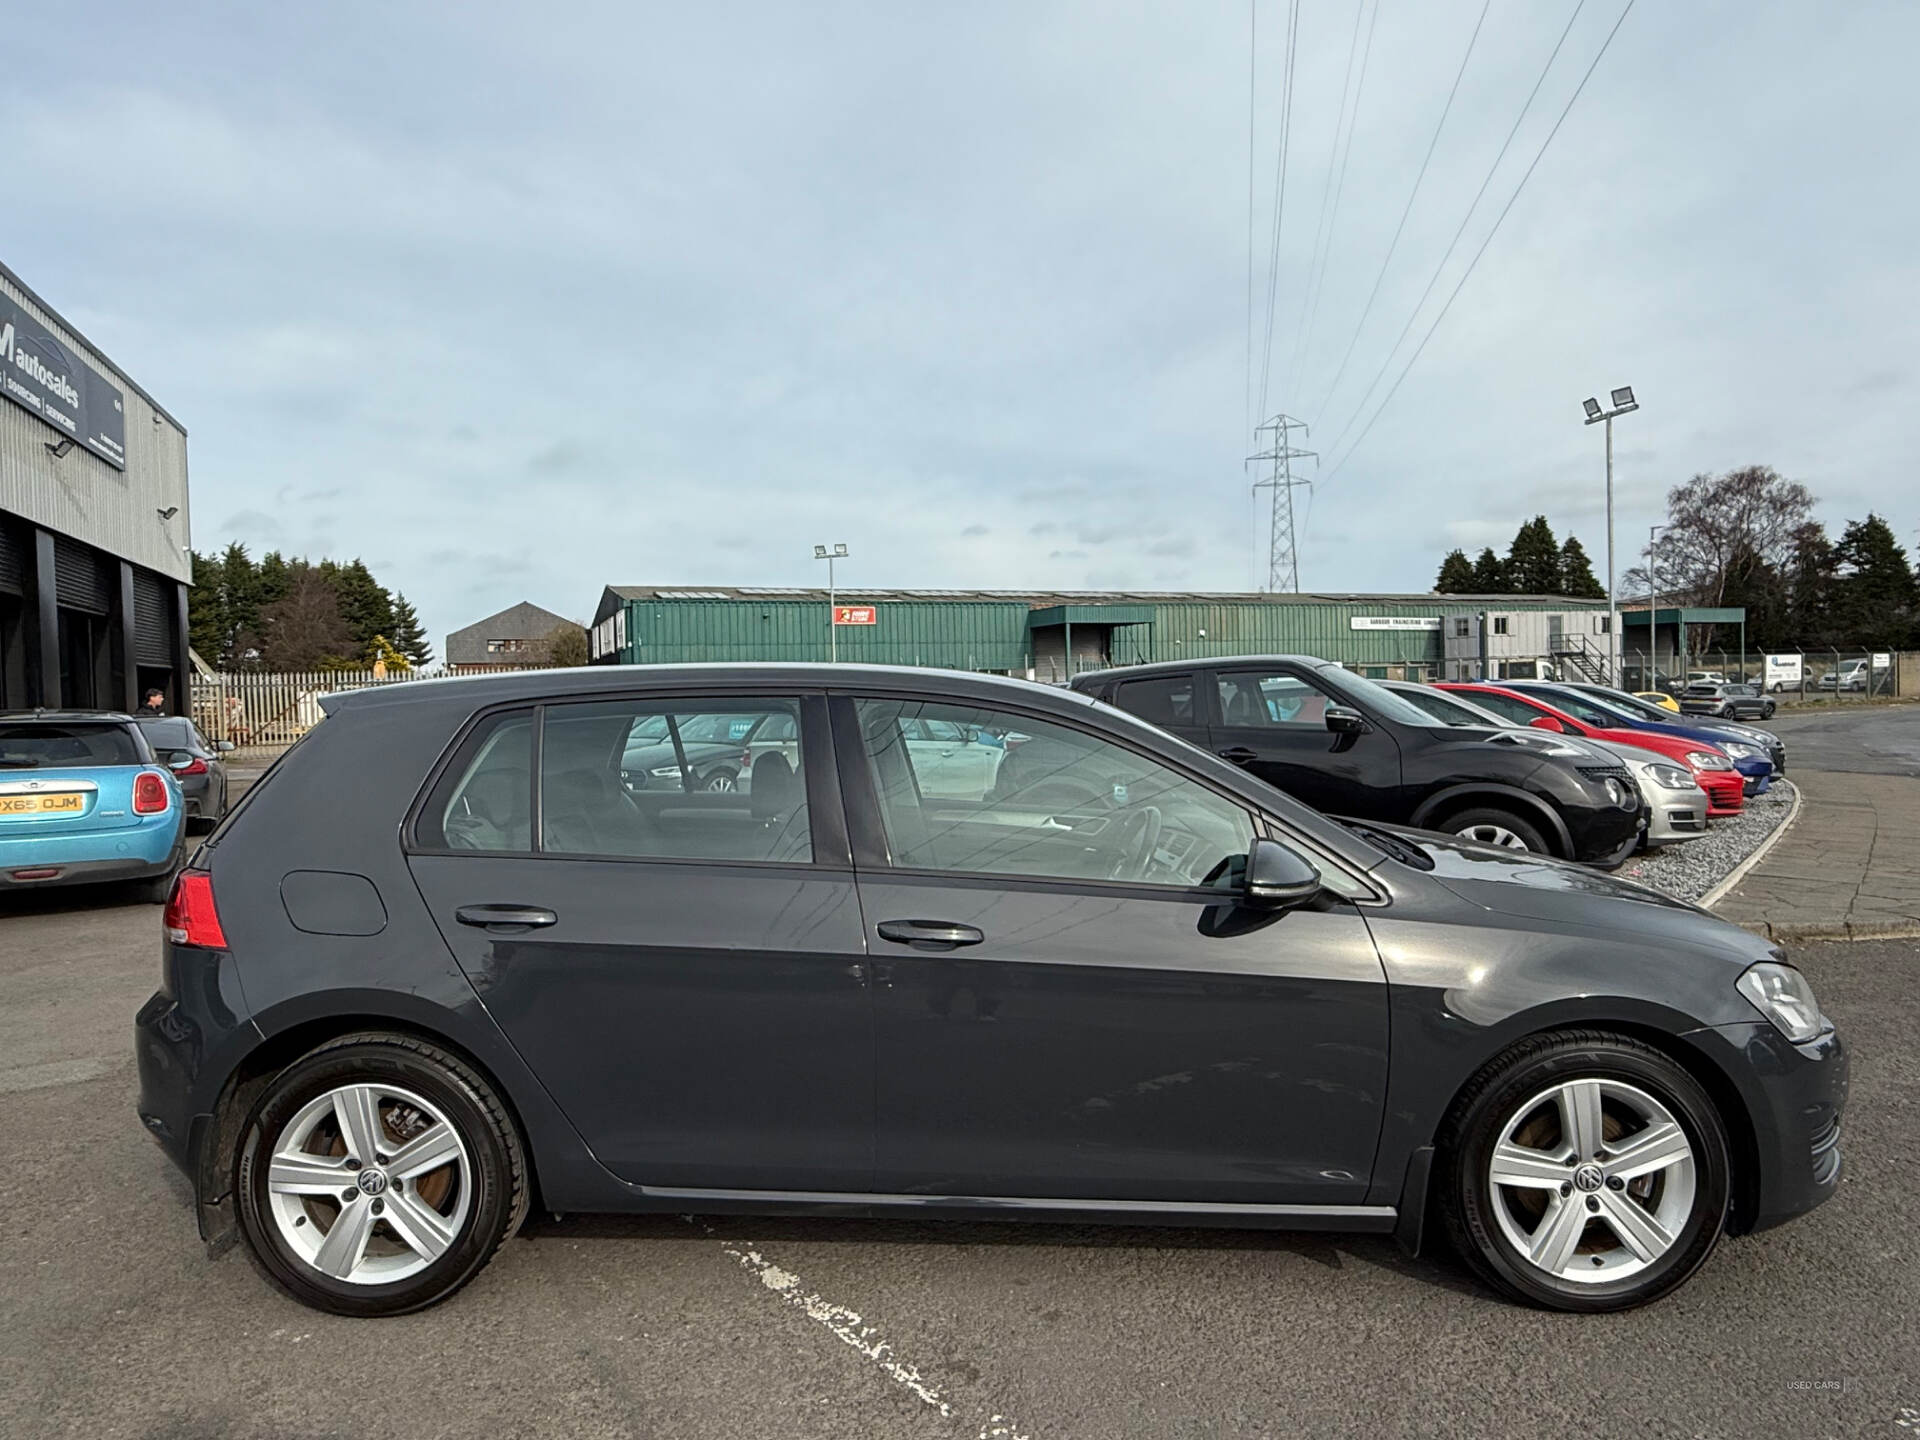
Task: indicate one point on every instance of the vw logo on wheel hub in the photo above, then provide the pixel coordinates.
(1587, 1178)
(372, 1181)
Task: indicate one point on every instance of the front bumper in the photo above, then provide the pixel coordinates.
(1677, 815)
(1795, 1098)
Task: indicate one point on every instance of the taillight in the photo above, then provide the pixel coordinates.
(149, 793)
(195, 766)
(191, 918)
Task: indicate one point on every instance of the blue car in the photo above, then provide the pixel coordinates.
(1752, 761)
(82, 800)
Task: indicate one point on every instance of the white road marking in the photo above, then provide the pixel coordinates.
(850, 1329)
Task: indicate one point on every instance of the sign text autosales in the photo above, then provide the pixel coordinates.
(40, 374)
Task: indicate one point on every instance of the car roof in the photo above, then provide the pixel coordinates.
(1181, 667)
(97, 717)
(532, 685)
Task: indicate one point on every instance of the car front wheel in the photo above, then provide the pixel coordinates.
(1584, 1171)
(1501, 828)
(377, 1176)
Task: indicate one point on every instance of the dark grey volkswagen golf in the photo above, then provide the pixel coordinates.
(441, 966)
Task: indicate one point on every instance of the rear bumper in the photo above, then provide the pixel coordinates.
(130, 853)
(185, 1042)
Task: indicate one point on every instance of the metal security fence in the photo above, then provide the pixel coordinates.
(259, 709)
(1790, 676)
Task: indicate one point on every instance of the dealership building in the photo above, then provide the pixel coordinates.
(94, 566)
(1048, 636)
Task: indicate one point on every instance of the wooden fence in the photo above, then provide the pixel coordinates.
(258, 709)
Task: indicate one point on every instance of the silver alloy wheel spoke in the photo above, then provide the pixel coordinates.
(358, 1110)
(1580, 1118)
(297, 1173)
(1654, 1148)
(429, 1150)
(425, 1231)
(1493, 835)
(1528, 1168)
(1559, 1234)
(340, 1253)
(1637, 1230)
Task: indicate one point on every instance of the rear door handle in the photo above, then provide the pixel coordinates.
(505, 918)
(930, 934)
(1239, 754)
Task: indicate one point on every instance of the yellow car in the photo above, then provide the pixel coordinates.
(1660, 698)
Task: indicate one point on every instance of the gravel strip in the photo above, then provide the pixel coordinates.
(1687, 871)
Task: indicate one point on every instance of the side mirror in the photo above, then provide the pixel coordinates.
(223, 746)
(1343, 720)
(1546, 722)
(1278, 878)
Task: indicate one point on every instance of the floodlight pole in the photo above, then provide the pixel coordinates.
(1623, 401)
(838, 552)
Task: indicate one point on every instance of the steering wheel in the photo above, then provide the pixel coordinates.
(1139, 839)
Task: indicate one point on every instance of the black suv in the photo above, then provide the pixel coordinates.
(1351, 748)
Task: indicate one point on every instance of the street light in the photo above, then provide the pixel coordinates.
(838, 552)
(1623, 402)
(1653, 604)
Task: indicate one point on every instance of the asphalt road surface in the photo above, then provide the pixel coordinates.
(1853, 737)
(113, 1322)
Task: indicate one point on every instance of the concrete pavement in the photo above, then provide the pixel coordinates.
(1849, 867)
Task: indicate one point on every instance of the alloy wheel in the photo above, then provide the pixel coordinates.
(369, 1184)
(1593, 1181)
(1488, 834)
(721, 784)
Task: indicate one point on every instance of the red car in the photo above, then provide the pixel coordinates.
(1709, 766)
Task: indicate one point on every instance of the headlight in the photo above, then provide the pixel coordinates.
(1741, 751)
(665, 772)
(1614, 792)
(1671, 777)
(1708, 760)
(1781, 993)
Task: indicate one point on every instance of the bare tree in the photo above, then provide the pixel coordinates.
(1721, 527)
(304, 628)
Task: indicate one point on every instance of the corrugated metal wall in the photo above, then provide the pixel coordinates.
(83, 496)
(993, 635)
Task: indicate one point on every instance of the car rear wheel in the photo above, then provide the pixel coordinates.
(1499, 827)
(1584, 1171)
(377, 1176)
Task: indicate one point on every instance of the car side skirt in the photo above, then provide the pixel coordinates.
(1370, 1219)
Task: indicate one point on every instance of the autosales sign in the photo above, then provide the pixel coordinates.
(40, 374)
(856, 615)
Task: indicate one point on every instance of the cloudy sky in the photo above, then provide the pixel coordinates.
(514, 301)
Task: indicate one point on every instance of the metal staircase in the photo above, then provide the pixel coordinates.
(1582, 657)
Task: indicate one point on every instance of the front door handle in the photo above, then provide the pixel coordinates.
(930, 934)
(505, 919)
(1239, 754)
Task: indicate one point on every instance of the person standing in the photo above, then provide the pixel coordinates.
(155, 703)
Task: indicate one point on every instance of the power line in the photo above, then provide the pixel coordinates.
(1413, 315)
(1280, 196)
(1412, 195)
(1316, 264)
(1388, 400)
(1253, 65)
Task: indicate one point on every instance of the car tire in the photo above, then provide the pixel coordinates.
(459, 1210)
(1488, 825)
(720, 782)
(1648, 1213)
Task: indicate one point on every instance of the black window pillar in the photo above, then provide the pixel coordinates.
(42, 627)
(180, 702)
(120, 645)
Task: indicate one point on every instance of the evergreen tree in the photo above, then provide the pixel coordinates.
(1489, 574)
(1875, 600)
(206, 621)
(1577, 579)
(365, 604)
(1533, 560)
(408, 635)
(1456, 574)
(1812, 576)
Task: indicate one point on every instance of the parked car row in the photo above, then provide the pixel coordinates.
(446, 962)
(1578, 772)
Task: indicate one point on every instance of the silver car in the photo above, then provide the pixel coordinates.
(1676, 806)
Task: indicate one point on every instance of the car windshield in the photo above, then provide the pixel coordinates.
(1630, 705)
(1452, 710)
(1582, 707)
(1378, 698)
(28, 745)
(170, 734)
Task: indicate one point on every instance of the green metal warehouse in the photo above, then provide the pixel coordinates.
(1043, 635)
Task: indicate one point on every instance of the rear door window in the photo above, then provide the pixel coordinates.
(1164, 700)
(485, 800)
